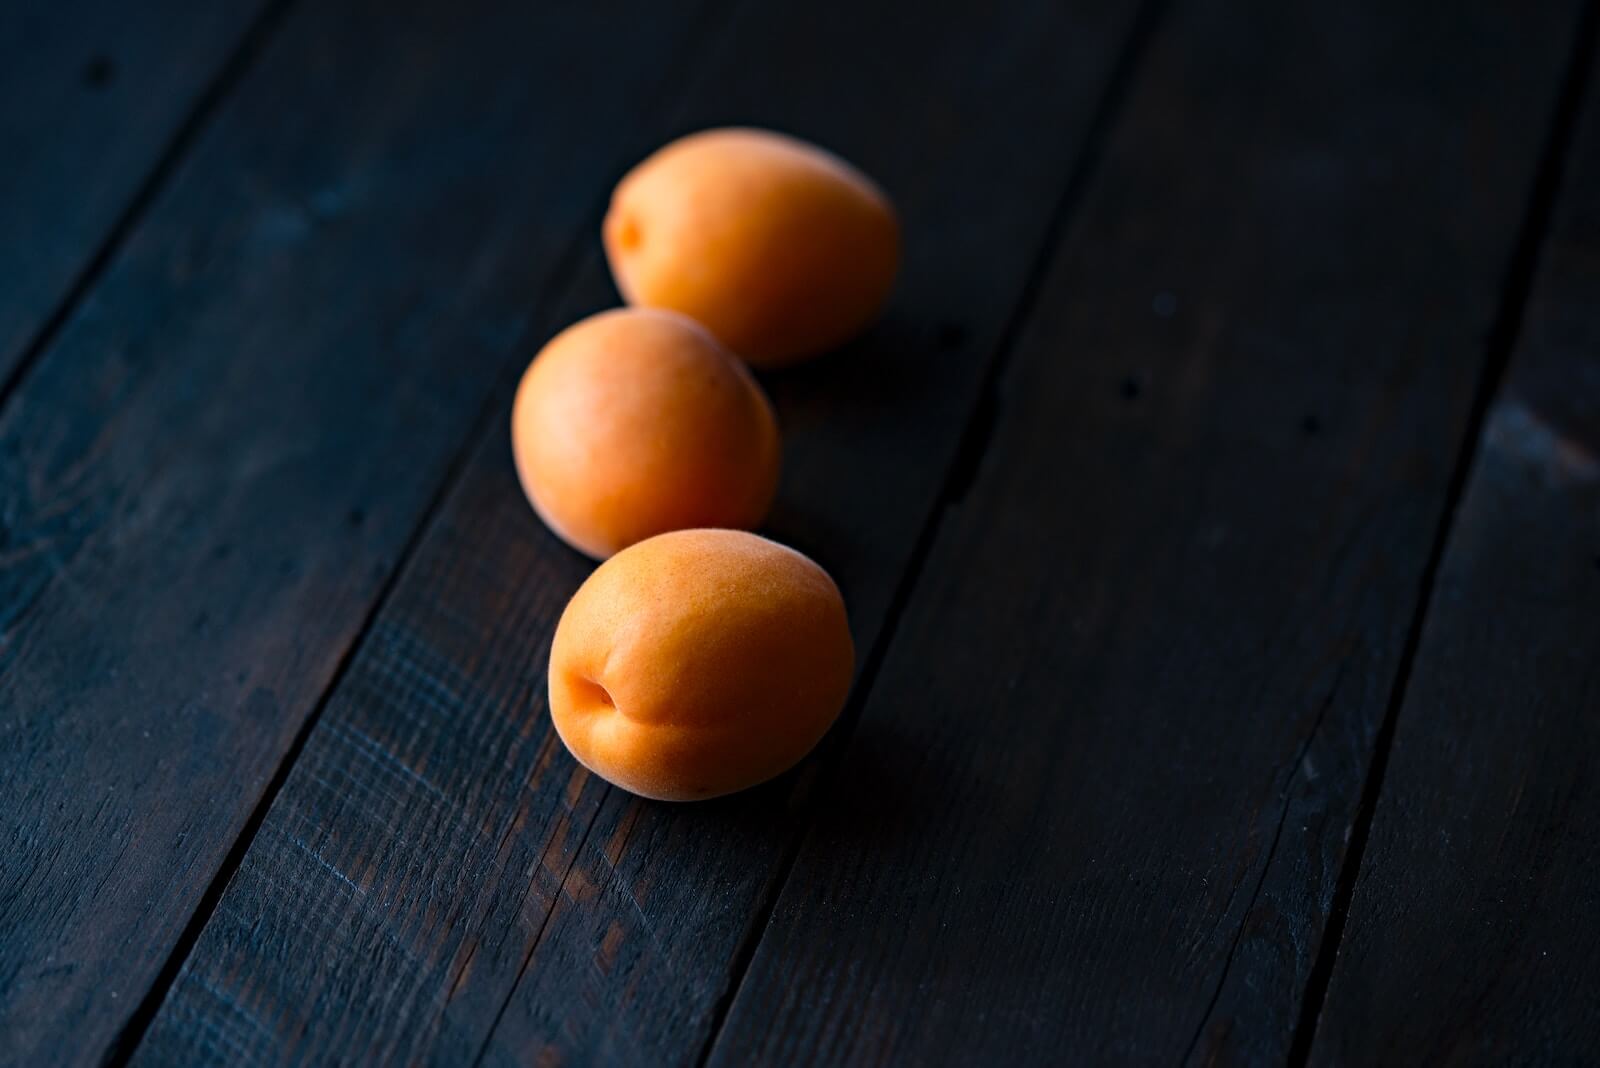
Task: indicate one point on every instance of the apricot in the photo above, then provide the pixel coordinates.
(698, 663)
(780, 248)
(634, 422)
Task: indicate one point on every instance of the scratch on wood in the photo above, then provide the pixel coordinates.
(318, 857)
(384, 756)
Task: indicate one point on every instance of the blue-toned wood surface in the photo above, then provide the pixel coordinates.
(1214, 504)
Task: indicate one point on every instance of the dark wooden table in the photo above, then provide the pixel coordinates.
(1218, 507)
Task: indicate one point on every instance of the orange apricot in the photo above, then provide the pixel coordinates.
(699, 663)
(634, 422)
(781, 249)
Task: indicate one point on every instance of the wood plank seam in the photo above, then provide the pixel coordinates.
(963, 469)
(122, 1049)
(504, 272)
(1500, 344)
(1480, 869)
(979, 430)
(238, 63)
(566, 266)
(856, 951)
(538, 936)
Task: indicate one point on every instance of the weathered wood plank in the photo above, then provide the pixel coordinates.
(435, 860)
(1472, 938)
(1098, 798)
(207, 479)
(92, 94)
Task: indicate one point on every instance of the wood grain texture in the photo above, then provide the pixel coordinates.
(92, 92)
(1098, 798)
(438, 881)
(207, 479)
(1471, 936)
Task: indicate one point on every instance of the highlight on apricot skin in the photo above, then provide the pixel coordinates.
(634, 422)
(780, 248)
(699, 663)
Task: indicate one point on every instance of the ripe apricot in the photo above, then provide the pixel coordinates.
(781, 249)
(698, 663)
(634, 422)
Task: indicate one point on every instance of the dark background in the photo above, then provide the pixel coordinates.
(1217, 504)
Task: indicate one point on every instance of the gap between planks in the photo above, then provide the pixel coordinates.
(251, 44)
(132, 1035)
(127, 1042)
(1500, 344)
(239, 61)
(959, 477)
